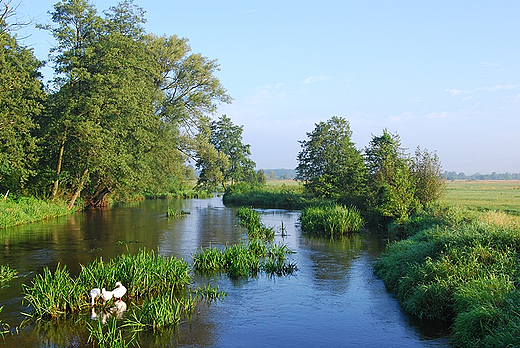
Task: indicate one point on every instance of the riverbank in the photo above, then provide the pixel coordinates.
(460, 266)
(24, 210)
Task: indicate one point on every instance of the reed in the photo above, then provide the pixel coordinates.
(159, 313)
(7, 273)
(209, 292)
(54, 294)
(176, 214)
(4, 327)
(250, 219)
(331, 219)
(108, 336)
(209, 260)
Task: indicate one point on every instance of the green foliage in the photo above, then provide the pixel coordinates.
(262, 196)
(7, 273)
(462, 268)
(21, 100)
(331, 219)
(144, 274)
(427, 175)
(28, 209)
(391, 186)
(329, 164)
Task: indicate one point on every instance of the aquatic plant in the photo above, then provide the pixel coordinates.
(209, 259)
(250, 219)
(209, 292)
(54, 294)
(108, 336)
(6, 273)
(176, 214)
(144, 274)
(4, 327)
(331, 219)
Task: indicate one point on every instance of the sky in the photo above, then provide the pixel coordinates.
(444, 75)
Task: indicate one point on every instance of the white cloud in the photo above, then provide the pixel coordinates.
(314, 79)
(455, 92)
(436, 115)
(496, 88)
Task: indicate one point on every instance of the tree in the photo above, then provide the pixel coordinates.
(227, 139)
(127, 103)
(427, 174)
(329, 163)
(212, 163)
(392, 190)
(21, 100)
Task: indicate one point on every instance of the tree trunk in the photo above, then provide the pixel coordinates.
(78, 191)
(58, 169)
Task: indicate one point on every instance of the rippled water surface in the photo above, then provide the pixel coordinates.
(333, 300)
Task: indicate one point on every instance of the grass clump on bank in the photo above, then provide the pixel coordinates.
(461, 267)
(331, 219)
(28, 209)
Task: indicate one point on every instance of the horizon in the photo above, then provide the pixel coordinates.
(443, 75)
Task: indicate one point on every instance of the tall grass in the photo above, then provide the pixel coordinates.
(108, 336)
(28, 209)
(176, 214)
(463, 268)
(144, 274)
(331, 219)
(250, 219)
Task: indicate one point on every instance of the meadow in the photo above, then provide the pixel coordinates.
(500, 195)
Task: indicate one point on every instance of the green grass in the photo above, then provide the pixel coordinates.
(268, 196)
(7, 273)
(144, 275)
(27, 209)
(461, 266)
(331, 219)
(500, 195)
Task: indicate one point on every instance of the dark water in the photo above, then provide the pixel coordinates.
(333, 300)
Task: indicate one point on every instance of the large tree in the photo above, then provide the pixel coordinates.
(329, 163)
(427, 174)
(392, 189)
(21, 98)
(126, 103)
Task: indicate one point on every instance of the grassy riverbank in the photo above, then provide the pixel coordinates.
(461, 266)
(27, 209)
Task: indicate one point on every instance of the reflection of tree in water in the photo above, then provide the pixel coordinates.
(332, 259)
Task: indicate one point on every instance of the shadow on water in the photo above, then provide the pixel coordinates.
(334, 299)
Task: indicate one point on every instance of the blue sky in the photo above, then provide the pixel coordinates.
(444, 75)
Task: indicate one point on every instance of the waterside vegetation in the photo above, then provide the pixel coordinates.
(460, 266)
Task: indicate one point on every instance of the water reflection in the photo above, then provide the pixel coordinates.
(115, 311)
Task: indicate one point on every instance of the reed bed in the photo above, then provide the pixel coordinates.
(463, 268)
(250, 219)
(331, 219)
(144, 274)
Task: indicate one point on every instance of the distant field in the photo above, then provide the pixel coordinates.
(502, 195)
(279, 182)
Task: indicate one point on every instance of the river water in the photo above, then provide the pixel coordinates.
(333, 300)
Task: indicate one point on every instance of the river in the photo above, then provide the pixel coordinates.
(333, 300)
